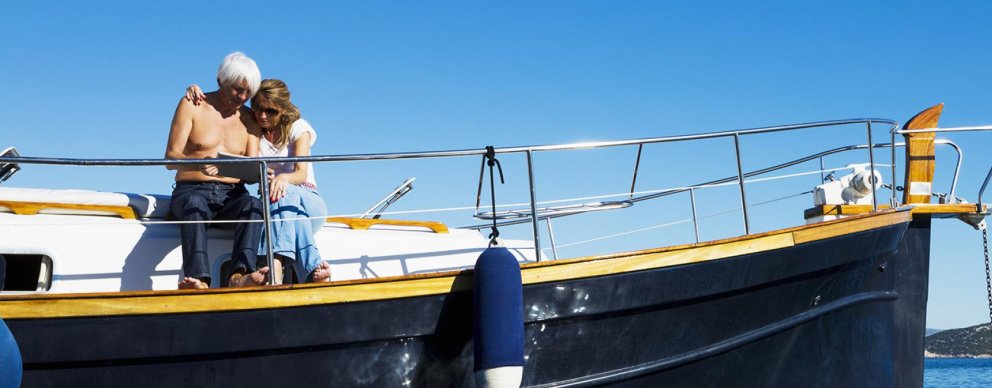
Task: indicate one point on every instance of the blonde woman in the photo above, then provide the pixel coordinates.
(292, 187)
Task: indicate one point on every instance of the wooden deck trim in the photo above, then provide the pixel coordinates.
(39, 306)
(833, 230)
(950, 209)
(366, 223)
(25, 208)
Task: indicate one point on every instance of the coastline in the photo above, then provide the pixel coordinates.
(927, 354)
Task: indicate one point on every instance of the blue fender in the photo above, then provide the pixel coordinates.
(497, 310)
(10, 359)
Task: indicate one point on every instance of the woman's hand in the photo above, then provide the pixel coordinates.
(277, 187)
(194, 94)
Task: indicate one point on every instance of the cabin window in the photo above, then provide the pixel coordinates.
(31, 273)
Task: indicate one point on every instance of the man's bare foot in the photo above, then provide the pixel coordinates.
(192, 284)
(256, 278)
(322, 273)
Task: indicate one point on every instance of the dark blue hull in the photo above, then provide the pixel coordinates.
(843, 311)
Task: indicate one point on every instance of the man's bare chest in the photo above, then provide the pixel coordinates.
(217, 134)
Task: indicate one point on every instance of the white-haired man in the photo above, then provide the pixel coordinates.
(220, 123)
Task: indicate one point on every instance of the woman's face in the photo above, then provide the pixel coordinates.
(266, 113)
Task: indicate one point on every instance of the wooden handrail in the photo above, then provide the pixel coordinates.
(32, 208)
(366, 223)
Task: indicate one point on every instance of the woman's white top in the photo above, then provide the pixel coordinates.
(265, 148)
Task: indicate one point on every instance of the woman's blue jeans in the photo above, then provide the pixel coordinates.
(294, 239)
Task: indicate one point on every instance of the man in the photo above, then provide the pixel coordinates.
(220, 123)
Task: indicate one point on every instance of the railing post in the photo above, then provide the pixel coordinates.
(871, 178)
(822, 177)
(892, 142)
(533, 205)
(740, 179)
(551, 236)
(263, 186)
(692, 203)
(981, 191)
(637, 165)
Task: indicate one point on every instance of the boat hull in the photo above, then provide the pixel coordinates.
(840, 311)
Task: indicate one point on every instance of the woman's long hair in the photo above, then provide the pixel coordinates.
(276, 92)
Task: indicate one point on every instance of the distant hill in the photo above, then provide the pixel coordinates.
(972, 341)
(932, 331)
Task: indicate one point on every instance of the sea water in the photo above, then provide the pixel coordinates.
(957, 372)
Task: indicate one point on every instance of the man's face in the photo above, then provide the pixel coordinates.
(235, 94)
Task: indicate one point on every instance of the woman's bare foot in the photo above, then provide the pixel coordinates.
(322, 273)
(193, 284)
(277, 273)
(256, 278)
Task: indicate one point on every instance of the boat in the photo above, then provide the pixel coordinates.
(839, 300)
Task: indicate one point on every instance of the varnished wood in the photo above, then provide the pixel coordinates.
(837, 210)
(32, 208)
(919, 153)
(365, 223)
(833, 230)
(953, 209)
(233, 299)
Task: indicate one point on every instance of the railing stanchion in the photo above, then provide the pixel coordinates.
(740, 179)
(533, 205)
(871, 178)
(263, 186)
(892, 143)
(692, 203)
(551, 236)
(637, 165)
(981, 191)
(821, 171)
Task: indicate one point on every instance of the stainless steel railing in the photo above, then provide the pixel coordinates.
(985, 183)
(527, 150)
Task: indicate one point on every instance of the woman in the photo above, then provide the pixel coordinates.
(292, 187)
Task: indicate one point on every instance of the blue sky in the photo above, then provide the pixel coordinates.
(102, 79)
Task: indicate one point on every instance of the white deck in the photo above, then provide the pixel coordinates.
(94, 252)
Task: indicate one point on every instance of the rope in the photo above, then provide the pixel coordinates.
(492, 161)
